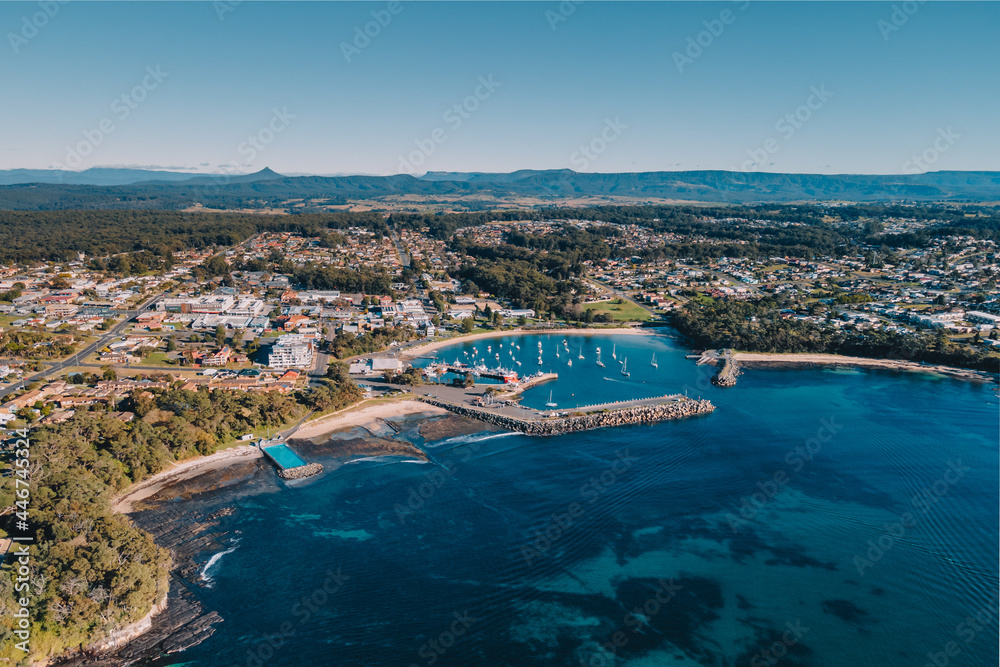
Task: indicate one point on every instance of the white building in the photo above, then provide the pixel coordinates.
(291, 351)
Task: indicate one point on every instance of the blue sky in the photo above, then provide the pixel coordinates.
(799, 87)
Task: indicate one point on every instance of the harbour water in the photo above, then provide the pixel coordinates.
(817, 517)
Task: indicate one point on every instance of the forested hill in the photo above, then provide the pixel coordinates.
(274, 190)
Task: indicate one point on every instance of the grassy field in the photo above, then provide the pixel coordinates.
(621, 312)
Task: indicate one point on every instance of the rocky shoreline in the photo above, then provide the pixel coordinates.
(301, 472)
(644, 414)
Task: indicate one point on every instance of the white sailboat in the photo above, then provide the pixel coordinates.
(625, 368)
(653, 362)
(613, 355)
(550, 404)
(580, 356)
(569, 362)
(557, 352)
(599, 362)
(539, 360)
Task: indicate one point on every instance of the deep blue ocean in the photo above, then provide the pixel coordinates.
(818, 517)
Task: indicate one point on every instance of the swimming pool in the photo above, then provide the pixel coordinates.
(284, 456)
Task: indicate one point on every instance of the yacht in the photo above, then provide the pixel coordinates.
(613, 355)
(653, 362)
(599, 362)
(580, 356)
(550, 404)
(625, 368)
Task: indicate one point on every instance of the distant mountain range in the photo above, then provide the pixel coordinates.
(136, 188)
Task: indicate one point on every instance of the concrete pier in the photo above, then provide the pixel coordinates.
(646, 411)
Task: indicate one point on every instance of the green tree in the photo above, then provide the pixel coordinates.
(220, 335)
(171, 344)
(468, 324)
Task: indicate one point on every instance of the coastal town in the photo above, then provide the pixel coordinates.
(253, 328)
(225, 355)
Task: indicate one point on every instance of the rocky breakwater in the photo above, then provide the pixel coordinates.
(300, 472)
(642, 414)
(726, 377)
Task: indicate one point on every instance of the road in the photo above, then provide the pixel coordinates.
(404, 258)
(108, 337)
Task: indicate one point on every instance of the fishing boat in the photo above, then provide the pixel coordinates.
(613, 355)
(625, 368)
(653, 362)
(550, 404)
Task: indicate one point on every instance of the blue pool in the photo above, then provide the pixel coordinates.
(284, 456)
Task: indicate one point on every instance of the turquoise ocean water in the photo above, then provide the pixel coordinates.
(818, 517)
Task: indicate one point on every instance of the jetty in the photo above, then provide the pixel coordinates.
(726, 377)
(289, 464)
(622, 413)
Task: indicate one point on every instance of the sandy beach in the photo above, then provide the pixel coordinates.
(430, 347)
(359, 416)
(767, 359)
(183, 470)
